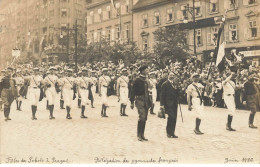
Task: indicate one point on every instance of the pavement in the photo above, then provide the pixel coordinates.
(113, 140)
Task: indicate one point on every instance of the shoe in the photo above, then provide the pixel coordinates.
(34, 118)
(8, 118)
(83, 116)
(62, 108)
(144, 138)
(121, 114)
(252, 126)
(229, 128)
(140, 138)
(105, 116)
(68, 117)
(92, 107)
(172, 136)
(51, 117)
(152, 113)
(125, 115)
(198, 132)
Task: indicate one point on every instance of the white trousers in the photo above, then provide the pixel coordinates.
(197, 107)
(230, 103)
(51, 95)
(104, 95)
(84, 96)
(34, 95)
(123, 95)
(67, 96)
(154, 94)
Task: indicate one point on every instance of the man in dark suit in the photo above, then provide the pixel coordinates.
(140, 97)
(169, 102)
(159, 84)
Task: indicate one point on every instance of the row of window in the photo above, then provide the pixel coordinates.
(184, 14)
(111, 33)
(250, 32)
(108, 12)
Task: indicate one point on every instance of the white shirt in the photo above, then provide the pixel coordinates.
(104, 80)
(193, 91)
(35, 80)
(123, 81)
(67, 82)
(50, 79)
(229, 87)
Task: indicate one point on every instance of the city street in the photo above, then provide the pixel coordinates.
(113, 139)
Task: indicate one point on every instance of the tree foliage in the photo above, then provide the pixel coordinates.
(170, 44)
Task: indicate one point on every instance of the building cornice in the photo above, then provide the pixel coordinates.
(93, 5)
(150, 6)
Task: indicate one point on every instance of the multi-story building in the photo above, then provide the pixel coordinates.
(33, 25)
(112, 20)
(241, 29)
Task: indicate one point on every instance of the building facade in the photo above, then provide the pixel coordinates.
(40, 28)
(111, 20)
(241, 29)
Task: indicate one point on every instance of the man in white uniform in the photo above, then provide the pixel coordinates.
(34, 90)
(122, 91)
(229, 93)
(83, 83)
(194, 90)
(19, 83)
(152, 90)
(93, 87)
(68, 83)
(104, 81)
(49, 82)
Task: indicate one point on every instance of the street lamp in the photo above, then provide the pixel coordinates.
(191, 10)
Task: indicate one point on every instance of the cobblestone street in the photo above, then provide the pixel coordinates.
(113, 139)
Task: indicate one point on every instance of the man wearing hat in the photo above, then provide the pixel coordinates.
(161, 81)
(195, 90)
(93, 86)
(252, 92)
(140, 95)
(104, 81)
(229, 87)
(83, 83)
(61, 75)
(19, 80)
(169, 102)
(78, 80)
(2, 74)
(152, 90)
(50, 82)
(9, 92)
(68, 83)
(34, 90)
(122, 91)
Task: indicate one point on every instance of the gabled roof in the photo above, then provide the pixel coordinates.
(142, 4)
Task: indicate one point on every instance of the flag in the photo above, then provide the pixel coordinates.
(220, 48)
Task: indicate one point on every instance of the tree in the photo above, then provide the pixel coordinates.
(170, 44)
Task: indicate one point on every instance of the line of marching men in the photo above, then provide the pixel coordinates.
(142, 95)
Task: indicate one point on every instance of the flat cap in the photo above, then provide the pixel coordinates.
(195, 75)
(142, 68)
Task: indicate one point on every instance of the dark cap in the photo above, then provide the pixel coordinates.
(10, 68)
(142, 68)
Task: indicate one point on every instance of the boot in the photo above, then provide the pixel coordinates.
(197, 130)
(17, 105)
(33, 112)
(151, 110)
(47, 105)
(62, 104)
(51, 107)
(230, 117)
(79, 103)
(143, 128)
(68, 113)
(102, 110)
(105, 111)
(139, 131)
(20, 103)
(251, 120)
(124, 114)
(6, 113)
(92, 103)
(121, 110)
(82, 112)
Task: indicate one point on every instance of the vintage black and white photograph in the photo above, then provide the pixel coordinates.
(130, 82)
